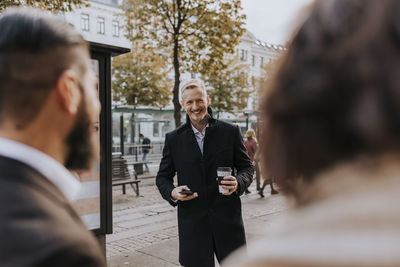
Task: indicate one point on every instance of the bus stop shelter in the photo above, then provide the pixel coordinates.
(94, 204)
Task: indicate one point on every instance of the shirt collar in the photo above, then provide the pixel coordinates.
(43, 163)
(197, 131)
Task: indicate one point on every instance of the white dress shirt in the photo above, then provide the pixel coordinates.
(200, 136)
(43, 163)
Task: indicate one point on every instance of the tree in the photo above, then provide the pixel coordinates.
(195, 34)
(140, 78)
(50, 5)
(228, 90)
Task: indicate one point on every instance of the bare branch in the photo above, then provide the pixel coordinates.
(164, 6)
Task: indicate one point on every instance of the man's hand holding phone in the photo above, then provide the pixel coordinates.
(183, 193)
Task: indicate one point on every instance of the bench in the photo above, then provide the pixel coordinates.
(122, 176)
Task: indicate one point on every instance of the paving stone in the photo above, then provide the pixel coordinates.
(143, 225)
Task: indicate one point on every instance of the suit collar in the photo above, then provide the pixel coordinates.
(197, 132)
(44, 164)
(29, 176)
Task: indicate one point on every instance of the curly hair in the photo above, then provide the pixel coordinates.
(336, 93)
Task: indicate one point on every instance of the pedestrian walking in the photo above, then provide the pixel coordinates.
(209, 222)
(331, 140)
(146, 146)
(251, 148)
(48, 108)
(251, 145)
(267, 180)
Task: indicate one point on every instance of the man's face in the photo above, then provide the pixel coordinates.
(195, 103)
(83, 140)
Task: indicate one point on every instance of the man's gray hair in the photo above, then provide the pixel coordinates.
(193, 83)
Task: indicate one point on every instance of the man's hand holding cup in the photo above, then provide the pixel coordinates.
(227, 183)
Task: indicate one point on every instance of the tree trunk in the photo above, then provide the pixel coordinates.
(175, 100)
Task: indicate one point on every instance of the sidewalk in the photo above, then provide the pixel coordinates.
(145, 228)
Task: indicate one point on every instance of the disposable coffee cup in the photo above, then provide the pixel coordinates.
(221, 173)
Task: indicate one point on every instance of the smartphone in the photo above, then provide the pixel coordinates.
(186, 192)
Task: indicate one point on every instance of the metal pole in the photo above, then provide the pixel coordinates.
(121, 132)
(137, 146)
(133, 120)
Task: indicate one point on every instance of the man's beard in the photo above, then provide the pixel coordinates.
(81, 150)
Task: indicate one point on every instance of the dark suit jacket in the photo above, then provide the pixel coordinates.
(211, 221)
(38, 226)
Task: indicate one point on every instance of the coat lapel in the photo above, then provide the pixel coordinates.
(210, 131)
(193, 141)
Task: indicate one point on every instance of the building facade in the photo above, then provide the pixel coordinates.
(100, 23)
(256, 55)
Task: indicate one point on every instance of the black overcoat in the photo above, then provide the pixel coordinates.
(211, 222)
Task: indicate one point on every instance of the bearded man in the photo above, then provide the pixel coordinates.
(48, 107)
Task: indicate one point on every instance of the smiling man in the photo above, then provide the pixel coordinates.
(209, 222)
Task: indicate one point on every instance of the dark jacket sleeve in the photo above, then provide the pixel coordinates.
(166, 173)
(242, 163)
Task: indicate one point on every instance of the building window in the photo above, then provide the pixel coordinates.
(100, 25)
(253, 60)
(165, 128)
(85, 22)
(262, 61)
(242, 54)
(156, 129)
(115, 28)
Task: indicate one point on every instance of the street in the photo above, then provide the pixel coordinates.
(145, 228)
